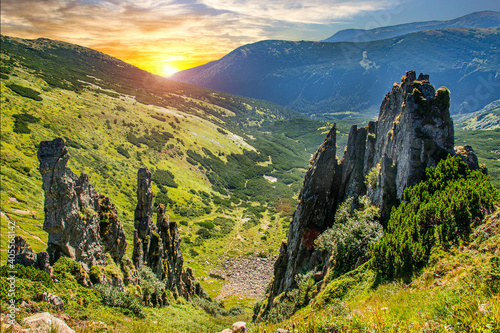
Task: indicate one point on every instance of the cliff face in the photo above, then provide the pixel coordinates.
(414, 131)
(71, 209)
(158, 246)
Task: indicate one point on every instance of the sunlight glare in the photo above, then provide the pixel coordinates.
(169, 70)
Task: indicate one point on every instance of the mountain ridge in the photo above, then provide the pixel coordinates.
(338, 80)
(483, 19)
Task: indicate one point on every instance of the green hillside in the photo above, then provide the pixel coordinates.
(208, 151)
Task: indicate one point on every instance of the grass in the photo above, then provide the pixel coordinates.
(485, 145)
(454, 293)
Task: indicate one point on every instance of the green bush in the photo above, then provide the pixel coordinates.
(215, 308)
(436, 212)
(349, 239)
(206, 224)
(25, 92)
(165, 178)
(116, 298)
(152, 287)
(21, 122)
(28, 273)
(121, 150)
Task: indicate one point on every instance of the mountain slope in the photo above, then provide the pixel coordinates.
(336, 80)
(208, 151)
(483, 20)
(484, 119)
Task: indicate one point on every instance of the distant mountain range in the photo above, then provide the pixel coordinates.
(483, 20)
(344, 79)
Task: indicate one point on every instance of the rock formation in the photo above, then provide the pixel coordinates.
(414, 131)
(24, 255)
(81, 224)
(158, 246)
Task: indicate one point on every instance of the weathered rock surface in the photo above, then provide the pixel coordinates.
(414, 131)
(81, 224)
(45, 322)
(70, 208)
(158, 246)
(24, 255)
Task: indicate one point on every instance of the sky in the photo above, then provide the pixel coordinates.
(164, 36)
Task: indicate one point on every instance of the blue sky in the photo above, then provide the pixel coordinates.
(165, 35)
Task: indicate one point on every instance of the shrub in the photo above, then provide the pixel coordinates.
(25, 92)
(436, 212)
(349, 239)
(206, 224)
(216, 308)
(21, 122)
(121, 150)
(151, 286)
(29, 273)
(115, 298)
(165, 178)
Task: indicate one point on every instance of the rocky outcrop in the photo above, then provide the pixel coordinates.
(158, 246)
(414, 131)
(70, 208)
(24, 255)
(81, 224)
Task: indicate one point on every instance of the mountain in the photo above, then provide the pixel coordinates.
(484, 119)
(337, 80)
(482, 20)
(226, 168)
(401, 199)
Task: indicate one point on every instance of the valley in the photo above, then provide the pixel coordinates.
(229, 170)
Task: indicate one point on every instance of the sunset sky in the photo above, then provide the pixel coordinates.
(166, 36)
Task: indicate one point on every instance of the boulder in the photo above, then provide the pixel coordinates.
(239, 327)
(45, 322)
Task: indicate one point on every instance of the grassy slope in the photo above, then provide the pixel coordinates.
(453, 290)
(486, 145)
(95, 101)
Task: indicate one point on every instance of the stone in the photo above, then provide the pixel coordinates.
(414, 131)
(24, 255)
(54, 300)
(45, 322)
(70, 208)
(111, 229)
(81, 223)
(239, 327)
(158, 246)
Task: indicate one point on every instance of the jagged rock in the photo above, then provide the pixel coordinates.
(414, 131)
(24, 255)
(82, 224)
(467, 154)
(54, 300)
(144, 211)
(45, 322)
(70, 208)
(158, 246)
(111, 229)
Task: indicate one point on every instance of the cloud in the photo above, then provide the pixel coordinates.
(310, 12)
(148, 33)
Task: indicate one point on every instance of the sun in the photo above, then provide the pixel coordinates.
(169, 70)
